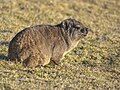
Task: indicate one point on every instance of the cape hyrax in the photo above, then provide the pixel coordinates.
(38, 45)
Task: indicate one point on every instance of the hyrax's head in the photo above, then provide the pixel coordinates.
(74, 29)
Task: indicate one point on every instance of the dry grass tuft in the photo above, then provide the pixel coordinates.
(93, 65)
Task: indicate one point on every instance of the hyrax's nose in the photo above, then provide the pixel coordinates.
(84, 31)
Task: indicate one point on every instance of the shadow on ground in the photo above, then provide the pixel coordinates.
(3, 57)
(6, 44)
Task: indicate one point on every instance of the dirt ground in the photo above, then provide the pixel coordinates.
(93, 65)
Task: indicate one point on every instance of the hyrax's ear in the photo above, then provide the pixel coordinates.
(66, 24)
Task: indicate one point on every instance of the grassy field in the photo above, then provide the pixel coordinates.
(93, 65)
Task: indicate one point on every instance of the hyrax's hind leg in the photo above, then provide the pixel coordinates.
(35, 60)
(31, 61)
(13, 57)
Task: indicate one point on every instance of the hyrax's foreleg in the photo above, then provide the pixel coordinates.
(56, 58)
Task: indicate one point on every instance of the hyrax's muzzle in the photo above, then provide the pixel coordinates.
(85, 31)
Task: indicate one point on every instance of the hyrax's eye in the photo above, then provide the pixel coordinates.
(82, 30)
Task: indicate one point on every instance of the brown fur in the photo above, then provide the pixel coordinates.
(38, 45)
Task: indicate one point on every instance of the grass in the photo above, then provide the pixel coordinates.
(93, 65)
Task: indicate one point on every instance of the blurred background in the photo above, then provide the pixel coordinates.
(94, 64)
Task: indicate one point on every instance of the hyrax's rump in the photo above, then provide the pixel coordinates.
(38, 45)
